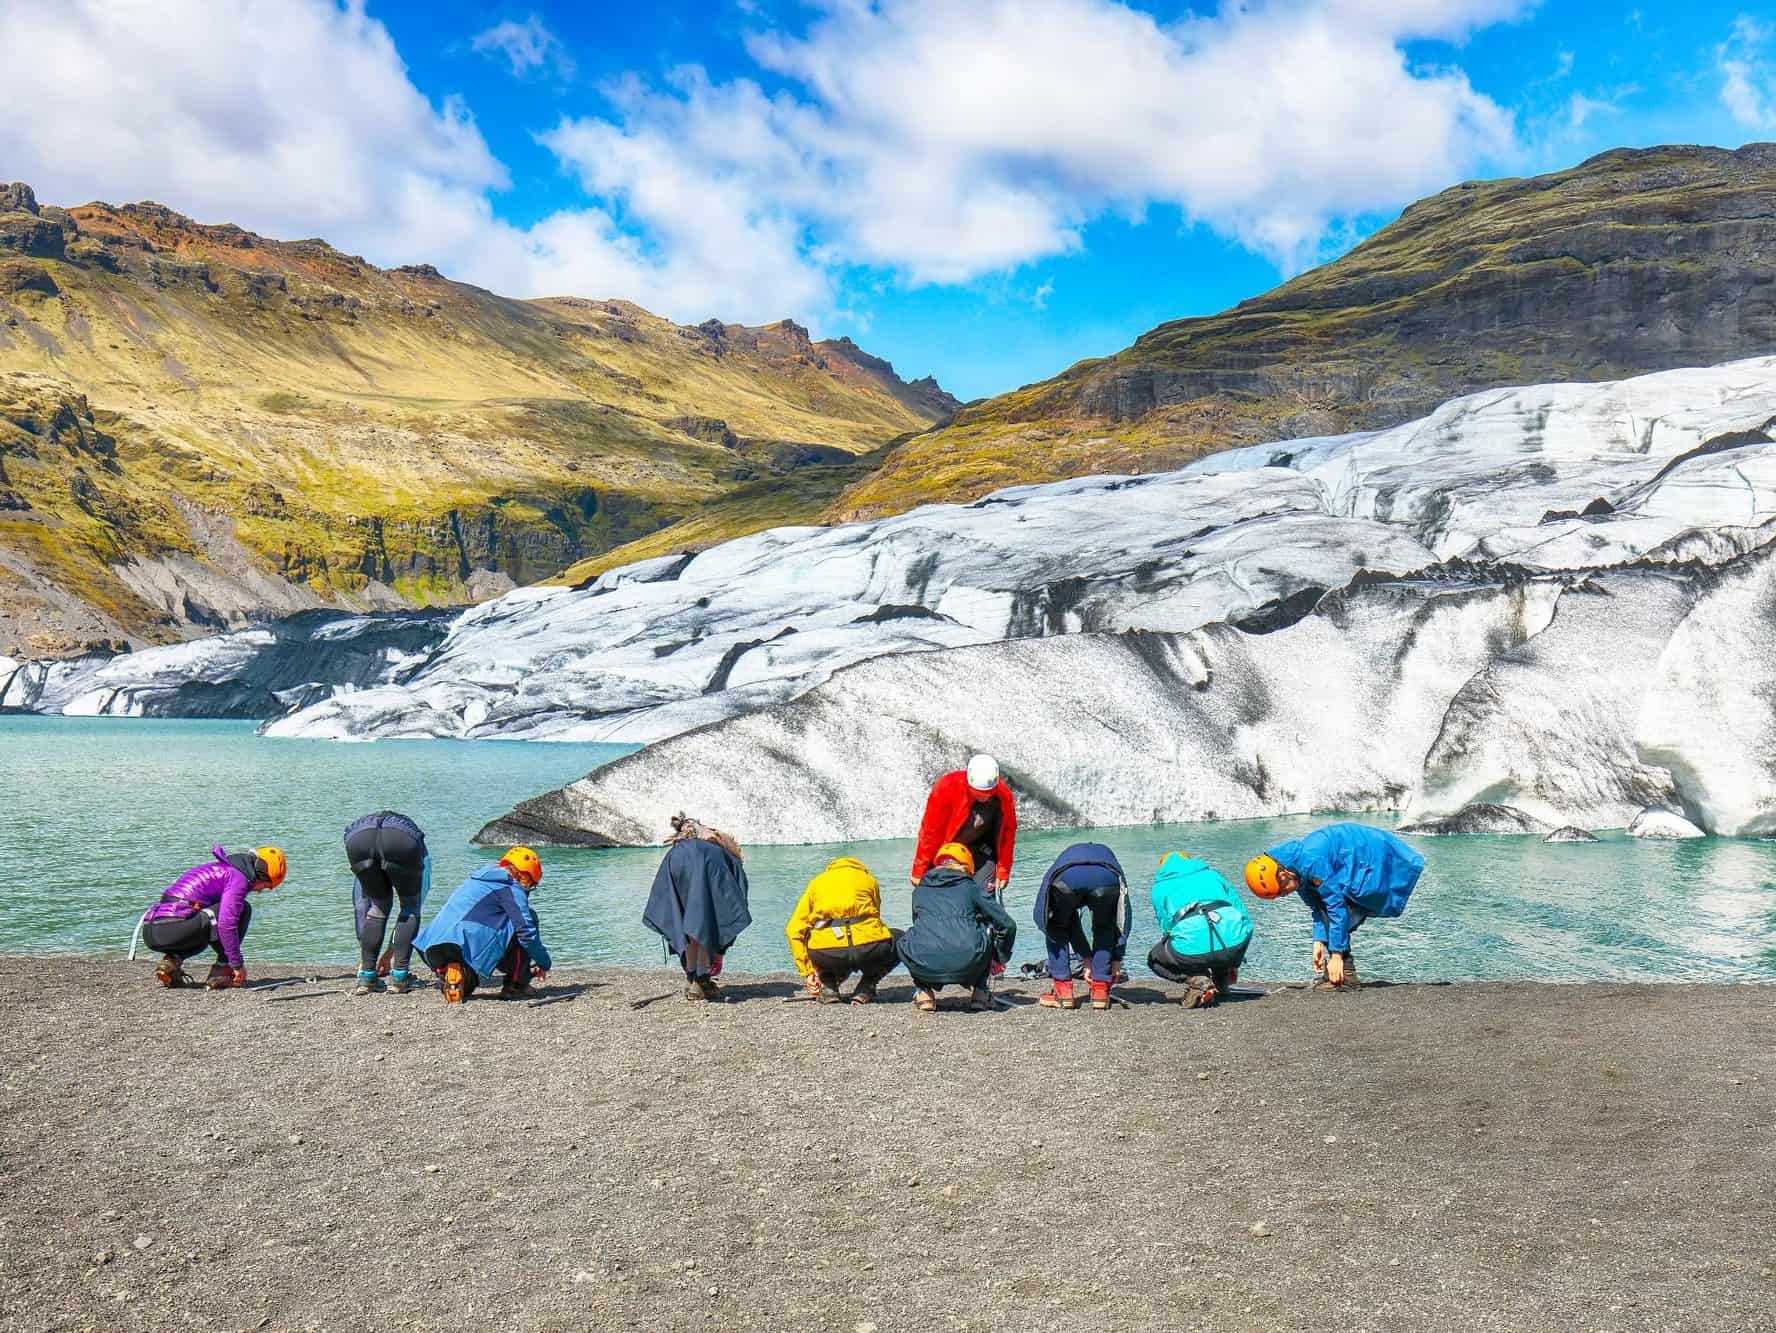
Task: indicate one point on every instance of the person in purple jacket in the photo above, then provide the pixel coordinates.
(207, 907)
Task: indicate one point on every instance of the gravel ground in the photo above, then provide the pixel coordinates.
(1406, 1158)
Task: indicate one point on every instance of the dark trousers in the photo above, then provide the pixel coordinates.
(190, 936)
(1196, 969)
(871, 962)
(514, 967)
(1064, 936)
(387, 863)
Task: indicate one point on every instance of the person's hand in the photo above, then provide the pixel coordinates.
(913, 880)
(813, 982)
(1319, 956)
(382, 964)
(995, 968)
(538, 971)
(1000, 886)
(1335, 969)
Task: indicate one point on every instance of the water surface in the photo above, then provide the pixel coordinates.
(100, 813)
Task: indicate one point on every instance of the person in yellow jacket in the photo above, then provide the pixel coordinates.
(837, 929)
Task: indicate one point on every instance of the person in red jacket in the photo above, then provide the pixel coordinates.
(974, 807)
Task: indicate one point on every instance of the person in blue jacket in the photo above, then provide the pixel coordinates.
(1085, 879)
(489, 926)
(1345, 873)
(1204, 929)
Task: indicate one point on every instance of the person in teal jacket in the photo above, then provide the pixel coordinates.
(1345, 873)
(1204, 930)
(489, 926)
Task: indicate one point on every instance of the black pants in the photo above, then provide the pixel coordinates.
(190, 936)
(389, 863)
(871, 962)
(514, 967)
(1065, 937)
(1192, 969)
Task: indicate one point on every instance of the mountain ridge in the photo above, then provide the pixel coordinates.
(201, 426)
(1636, 260)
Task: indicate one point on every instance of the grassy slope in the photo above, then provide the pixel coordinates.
(1634, 261)
(352, 423)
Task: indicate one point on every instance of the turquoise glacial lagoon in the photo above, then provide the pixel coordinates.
(99, 813)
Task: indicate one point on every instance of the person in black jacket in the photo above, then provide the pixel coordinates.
(959, 930)
(698, 904)
(389, 861)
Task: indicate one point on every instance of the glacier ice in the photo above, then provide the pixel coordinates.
(1656, 822)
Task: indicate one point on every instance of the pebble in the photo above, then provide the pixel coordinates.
(1203, 1077)
(1258, 1229)
(713, 1291)
(432, 1168)
(295, 1139)
(143, 1242)
(912, 1182)
(864, 1327)
(583, 1276)
(104, 1257)
(1330, 1138)
(949, 1191)
(449, 1220)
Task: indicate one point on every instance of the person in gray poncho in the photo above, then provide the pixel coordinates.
(698, 904)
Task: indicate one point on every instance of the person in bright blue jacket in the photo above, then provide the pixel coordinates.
(1345, 873)
(1204, 929)
(1086, 879)
(489, 926)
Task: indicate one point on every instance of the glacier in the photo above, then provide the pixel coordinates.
(1509, 604)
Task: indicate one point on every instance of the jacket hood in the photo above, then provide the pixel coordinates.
(849, 864)
(497, 875)
(1287, 854)
(943, 877)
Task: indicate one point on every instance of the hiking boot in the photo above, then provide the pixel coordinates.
(829, 995)
(219, 975)
(925, 1000)
(1199, 996)
(980, 1001)
(456, 980)
(1060, 997)
(171, 974)
(368, 983)
(1350, 973)
(864, 995)
(709, 990)
(400, 981)
(692, 990)
(1100, 994)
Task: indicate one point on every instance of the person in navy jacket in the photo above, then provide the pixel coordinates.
(1345, 873)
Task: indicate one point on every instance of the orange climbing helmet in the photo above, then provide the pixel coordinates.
(525, 865)
(276, 867)
(955, 851)
(1263, 876)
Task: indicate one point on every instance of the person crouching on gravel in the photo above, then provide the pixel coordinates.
(959, 931)
(207, 907)
(1085, 879)
(837, 929)
(1204, 929)
(699, 902)
(1345, 873)
(489, 926)
(388, 859)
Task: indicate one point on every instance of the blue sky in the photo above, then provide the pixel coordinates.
(986, 191)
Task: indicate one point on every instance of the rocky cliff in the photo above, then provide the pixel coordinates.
(201, 427)
(1635, 261)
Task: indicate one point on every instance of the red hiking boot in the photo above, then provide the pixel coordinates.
(1060, 997)
(456, 978)
(1100, 994)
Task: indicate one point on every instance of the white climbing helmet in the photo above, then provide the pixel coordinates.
(983, 772)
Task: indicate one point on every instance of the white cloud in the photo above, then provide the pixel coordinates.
(527, 46)
(1747, 90)
(910, 140)
(949, 141)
